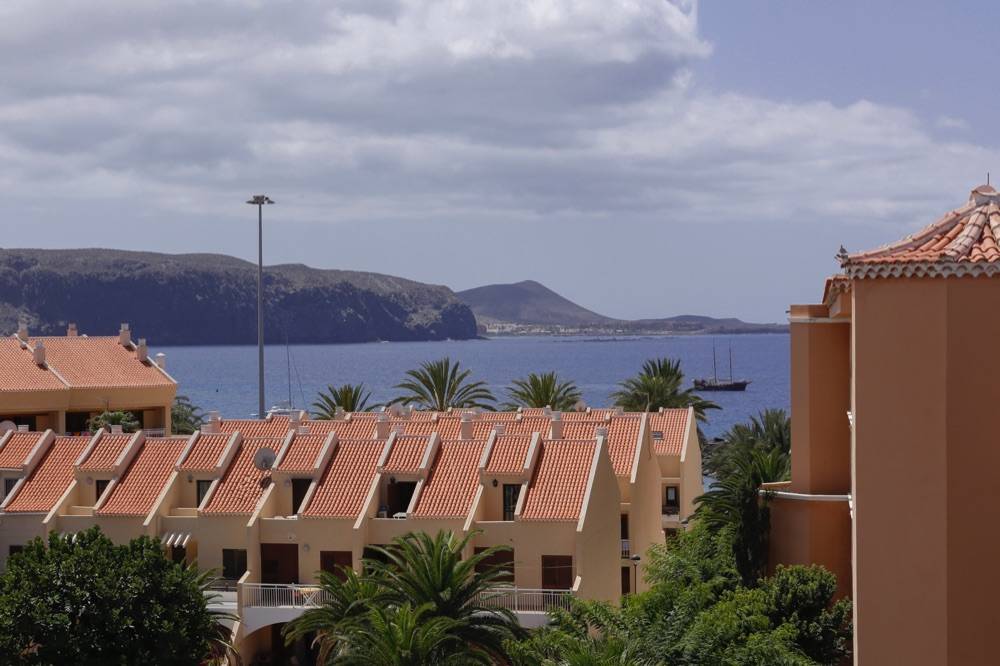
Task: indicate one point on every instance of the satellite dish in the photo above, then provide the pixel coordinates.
(264, 458)
(7, 425)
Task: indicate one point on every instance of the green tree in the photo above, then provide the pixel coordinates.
(348, 398)
(126, 420)
(408, 636)
(544, 390)
(84, 600)
(440, 385)
(185, 416)
(769, 430)
(659, 385)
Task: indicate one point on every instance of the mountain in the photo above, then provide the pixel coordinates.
(532, 308)
(527, 302)
(182, 299)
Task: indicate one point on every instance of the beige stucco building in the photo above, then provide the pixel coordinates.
(894, 479)
(575, 496)
(59, 382)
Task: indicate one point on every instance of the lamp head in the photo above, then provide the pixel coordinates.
(260, 200)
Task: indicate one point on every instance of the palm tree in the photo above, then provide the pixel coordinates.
(185, 416)
(421, 569)
(407, 636)
(349, 398)
(347, 603)
(544, 390)
(439, 385)
(771, 429)
(658, 385)
(221, 650)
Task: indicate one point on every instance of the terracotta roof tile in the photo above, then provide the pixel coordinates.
(345, 483)
(359, 426)
(452, 482)
(671, 423)
(242, 484)
(50, 479)
(97, 362)
(102, 458)
(144, 480)
(560, 480)
(508, 454)
(18, 371)
(406, 454)
(447, 428)
(16, 450)
(276, 426)
(529, 424)
(302, 452)
(205, 453)
(534, 411)
(623, 435)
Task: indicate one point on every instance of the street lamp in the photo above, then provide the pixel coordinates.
(260, 200)
(635, 572)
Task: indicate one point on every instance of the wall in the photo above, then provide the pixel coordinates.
(692, 480)
(598, 547)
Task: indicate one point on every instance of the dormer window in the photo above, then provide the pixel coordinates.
(8, 486)
(100, 485)
(201, 488)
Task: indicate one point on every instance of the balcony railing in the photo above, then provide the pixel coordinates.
(155, 432)
(626, 549)
(267, 595)
(521, 600)
(671, 510)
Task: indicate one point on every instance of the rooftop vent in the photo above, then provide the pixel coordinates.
(116, 429)
(161, 361)
(71, 331)
(465, 426)
(142, 351)
(22, 330)
(498, 428)
(24, 428)
(124, 335)
(557, 425)
(214, 424)
(382, 426)
(39, 353)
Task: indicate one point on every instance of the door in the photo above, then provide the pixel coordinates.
(279, 563)
(331, 561)
(557, 572)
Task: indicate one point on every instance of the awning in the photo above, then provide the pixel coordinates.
(176, 539)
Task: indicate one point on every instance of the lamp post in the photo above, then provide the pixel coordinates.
(635, 572)
(260, 200)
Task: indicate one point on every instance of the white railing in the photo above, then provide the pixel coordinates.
(155, 432)
(267, 595)
(522, 600)
(626, 549)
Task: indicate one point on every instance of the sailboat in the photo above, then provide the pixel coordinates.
(715, 384)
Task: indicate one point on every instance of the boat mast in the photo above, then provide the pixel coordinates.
(715, 369)
(730, 361)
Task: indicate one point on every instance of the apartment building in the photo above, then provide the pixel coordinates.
(60, 382)
(894, 451)
(271, 503)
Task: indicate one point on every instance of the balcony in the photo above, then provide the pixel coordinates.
(530, 606)
(671, 510)
(264, 603)
(626, 549)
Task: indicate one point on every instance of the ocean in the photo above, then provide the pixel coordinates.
(224, 378)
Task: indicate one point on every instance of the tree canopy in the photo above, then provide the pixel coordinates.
(346, 398)
(659, 385)
(543, 390)
(127, 420)
(185, 416)
(440, 385)
(81, 599)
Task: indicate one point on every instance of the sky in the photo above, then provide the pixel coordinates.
(644, 158)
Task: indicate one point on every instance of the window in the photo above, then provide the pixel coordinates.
(76, 422)
(624, 522)
(335, 561)
(8, 486)
(557, 572)
(178, 554)
(626, 580)
(299, 489)
(100, 485)
(234, 563)
(201, 488)
(671, 500)
(398, 496)
(511, 491)
(503, 559)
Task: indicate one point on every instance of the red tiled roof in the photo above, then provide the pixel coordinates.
(143, 481)
(18, 371)
(447, 428)
(103, 456)
(276, 426)
(406, 454)
(16, 450)
(242, 485)
(205, 453)
(966, 235)
(529, 424)
(97, 362)
(533, 411)
(496, 417)
(360, 426)
(50, 479)
(302, 452)
(508, 454)
(672, 424)
(623, 435)
(560, 481)
(452, 482)
(342, 490)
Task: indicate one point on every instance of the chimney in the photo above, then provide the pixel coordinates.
(22, 330)
(338, 413)
(116, 429)
(214, 424)
(161, 361)
(557, 425)
(142, 351)
(465, 426)
(295, 420)
(39, 353)
(124, 336)
(382, 426)
(23, 428)
(71, 331)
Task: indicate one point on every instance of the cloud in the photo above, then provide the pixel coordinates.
(406, 112)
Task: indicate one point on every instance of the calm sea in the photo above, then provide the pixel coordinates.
(225, 378)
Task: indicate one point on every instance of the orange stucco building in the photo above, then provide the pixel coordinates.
(895, 458)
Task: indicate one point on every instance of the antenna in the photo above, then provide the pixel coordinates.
(264, 458)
